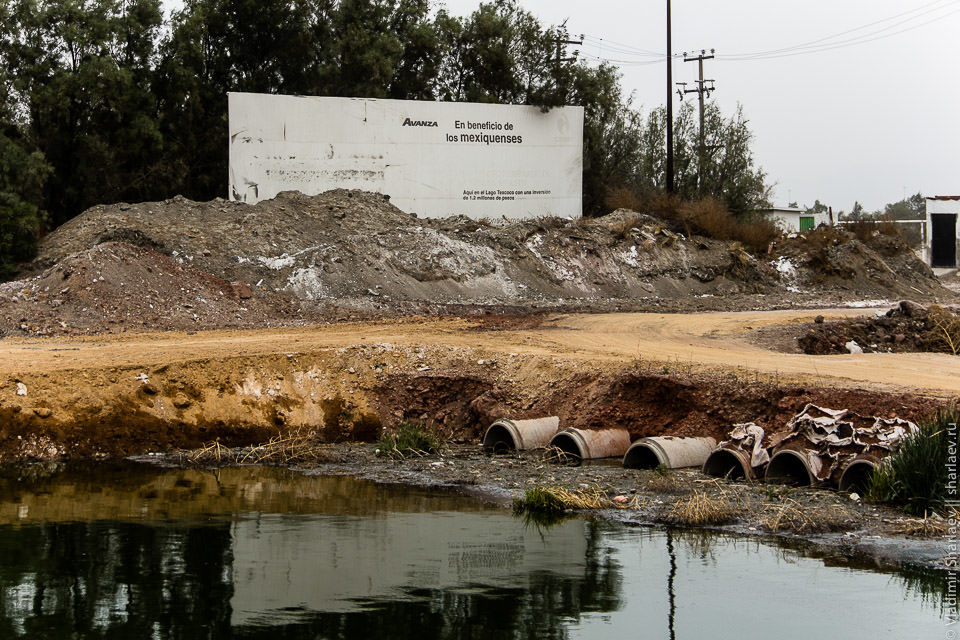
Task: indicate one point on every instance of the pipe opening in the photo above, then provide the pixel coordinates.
(788, 467)
(856, 477)
(641, 456)
(498, 439)
(569, 449)
(724, 464)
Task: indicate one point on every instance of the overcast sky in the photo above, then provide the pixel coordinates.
(871, 118)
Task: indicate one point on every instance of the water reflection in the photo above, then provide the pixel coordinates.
(127, 551)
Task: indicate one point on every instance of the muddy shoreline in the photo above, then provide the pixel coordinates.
(819, 523)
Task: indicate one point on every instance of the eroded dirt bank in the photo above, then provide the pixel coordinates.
(125, 395)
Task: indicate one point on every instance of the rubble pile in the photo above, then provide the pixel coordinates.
(828, 439)
(115, 286)
(303, 257)
(908, 327)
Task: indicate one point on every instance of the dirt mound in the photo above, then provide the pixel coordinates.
(115, 285)
(355, 251)
(831, 258)
(909, 327)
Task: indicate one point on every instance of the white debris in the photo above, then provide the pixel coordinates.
(785, 268)
(853, 347)
(278, 262)
(21, 389)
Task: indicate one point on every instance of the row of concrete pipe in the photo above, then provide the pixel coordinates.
(787, 465)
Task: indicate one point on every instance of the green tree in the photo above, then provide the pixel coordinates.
(81, 72)
(912, 208)
(23, 172)
(218, 46)
(724, 170)
(818, 207)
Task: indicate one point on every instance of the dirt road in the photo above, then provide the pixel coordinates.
(715, 340)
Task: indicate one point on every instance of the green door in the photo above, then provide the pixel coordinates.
(806, 223)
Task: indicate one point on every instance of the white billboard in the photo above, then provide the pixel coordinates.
(434, 159)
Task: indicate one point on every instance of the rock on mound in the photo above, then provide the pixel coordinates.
(115, 285)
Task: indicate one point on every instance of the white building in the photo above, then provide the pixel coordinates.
(791, 219)
(942, 231)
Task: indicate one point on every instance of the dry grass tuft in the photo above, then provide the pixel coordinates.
(946, 328)
(294, 448)
(701, 509)
(792, 516)
(925, 528)
(664, 483)
(555, 500)
(556, 455)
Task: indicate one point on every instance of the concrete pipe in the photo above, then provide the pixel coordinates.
(729, 463)
(589, 444)
(856, 474)
(518, 435)
(671, 452)
(793, 466)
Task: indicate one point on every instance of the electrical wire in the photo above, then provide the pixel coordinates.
(827, 43)
(638, 56)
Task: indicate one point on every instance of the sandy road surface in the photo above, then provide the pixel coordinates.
(708, 339)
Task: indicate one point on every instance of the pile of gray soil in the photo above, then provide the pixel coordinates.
(302, 256)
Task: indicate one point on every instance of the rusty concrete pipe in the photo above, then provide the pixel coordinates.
(794, 466)
(589, 444)
(669, 451)
(519, 435)
(730, 463)
(856, 473)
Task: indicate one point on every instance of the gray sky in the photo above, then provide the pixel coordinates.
(870, 121)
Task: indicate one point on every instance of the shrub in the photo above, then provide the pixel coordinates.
(539, 499)
(916, 473)
(758, 232)
(944, 329)
(623, 198)
(707, 217)
(863, 230)
(19, 223)
(411, 438)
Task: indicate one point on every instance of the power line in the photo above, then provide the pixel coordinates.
(636, 56)
(624, 48)
(824, 44)
(633, 63)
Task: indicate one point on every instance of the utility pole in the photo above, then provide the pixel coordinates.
(561, 50)
(703, 89)
(669, 105)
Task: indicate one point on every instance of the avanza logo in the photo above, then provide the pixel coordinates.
(419, 123)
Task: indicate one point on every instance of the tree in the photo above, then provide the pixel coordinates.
(81, 73)
(912, 208)
(725, 170)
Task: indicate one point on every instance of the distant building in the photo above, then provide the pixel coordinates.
(791, 219)
(943, 238)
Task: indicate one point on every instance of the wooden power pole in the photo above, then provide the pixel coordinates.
(669, 104)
